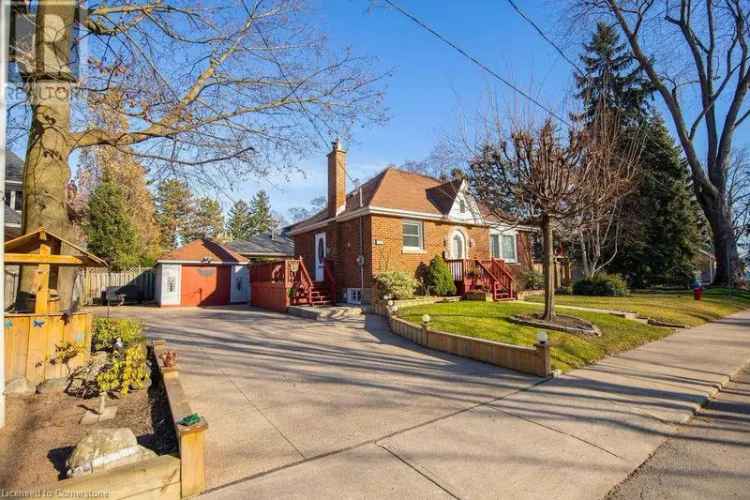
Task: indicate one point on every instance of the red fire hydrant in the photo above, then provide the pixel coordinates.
(698, 293)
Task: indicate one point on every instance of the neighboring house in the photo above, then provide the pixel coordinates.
(265, 246)
(705, 264)
(396, 221)
(202, 273)
(13, 195)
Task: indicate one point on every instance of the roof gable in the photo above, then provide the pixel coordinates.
(204, 250)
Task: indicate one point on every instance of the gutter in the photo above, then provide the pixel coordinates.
(405, 214)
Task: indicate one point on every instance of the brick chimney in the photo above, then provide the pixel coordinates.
(336, 179)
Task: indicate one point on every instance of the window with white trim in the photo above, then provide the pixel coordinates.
(503, 246)
(412, 235)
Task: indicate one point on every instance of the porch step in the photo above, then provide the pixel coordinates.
(320, 313)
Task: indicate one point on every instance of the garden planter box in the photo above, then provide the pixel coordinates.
(478, 295)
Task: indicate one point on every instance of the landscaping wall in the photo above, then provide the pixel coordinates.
(532, 360)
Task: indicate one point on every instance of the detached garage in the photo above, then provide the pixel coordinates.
(202, 273)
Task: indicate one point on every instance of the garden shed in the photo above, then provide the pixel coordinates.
(202, 273)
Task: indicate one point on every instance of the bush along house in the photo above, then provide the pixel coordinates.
(397, 221)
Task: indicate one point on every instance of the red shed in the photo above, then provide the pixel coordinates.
(202, 273)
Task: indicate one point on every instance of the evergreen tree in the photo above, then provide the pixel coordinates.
(207, 220)
(661, 232)
(174, 208)
(110, 233)
(439, 278)
(238, 222)
(611, 79)
(261, 218)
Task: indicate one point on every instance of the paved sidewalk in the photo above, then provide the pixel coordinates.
(574, 437)
(708, 456)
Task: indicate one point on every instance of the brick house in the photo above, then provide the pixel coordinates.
(398, 220)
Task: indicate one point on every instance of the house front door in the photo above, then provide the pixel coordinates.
(320, 256)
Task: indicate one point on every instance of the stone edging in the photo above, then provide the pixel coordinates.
(594, 331)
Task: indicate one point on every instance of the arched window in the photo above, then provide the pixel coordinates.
(458, 245)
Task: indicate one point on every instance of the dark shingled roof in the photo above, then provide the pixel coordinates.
(263, 244)
(13, 166)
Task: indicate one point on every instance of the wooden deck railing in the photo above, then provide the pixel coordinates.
(485, 273)
(330, 278)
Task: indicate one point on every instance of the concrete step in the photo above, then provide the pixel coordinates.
(325, 312)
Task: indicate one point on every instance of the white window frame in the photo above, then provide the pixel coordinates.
(464, 239)
(420, 235)
(500, 233)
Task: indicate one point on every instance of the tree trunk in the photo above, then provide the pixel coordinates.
(549, 269)
(728, 269)
(46, 174)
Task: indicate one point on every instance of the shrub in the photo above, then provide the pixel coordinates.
(127, 370)
(532, 280)
(396, 284)
(439, 277)
(107, 331)
(564, 290)
(601, 284)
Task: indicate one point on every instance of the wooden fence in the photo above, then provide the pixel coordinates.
(91, 282)
(94, 281)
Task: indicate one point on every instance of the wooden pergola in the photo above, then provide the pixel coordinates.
(44, 249)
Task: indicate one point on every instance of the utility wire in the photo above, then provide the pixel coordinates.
(545, 37)
(476, 61)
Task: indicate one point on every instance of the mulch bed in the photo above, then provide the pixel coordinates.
(568, 324)
(41, 431)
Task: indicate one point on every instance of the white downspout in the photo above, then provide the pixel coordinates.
(4, 35)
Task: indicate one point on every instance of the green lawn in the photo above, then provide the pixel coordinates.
(488, 320)
(676, 307)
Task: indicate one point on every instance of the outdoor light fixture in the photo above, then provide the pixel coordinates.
(541, 337)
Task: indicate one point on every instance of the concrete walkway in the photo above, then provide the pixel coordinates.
(300, 409)
(707, 458)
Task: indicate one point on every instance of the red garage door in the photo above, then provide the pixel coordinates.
(205, 285)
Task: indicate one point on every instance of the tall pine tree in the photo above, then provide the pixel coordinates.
(261, 218)
(658, 230)
(611, 79)
(661, 233)
(207, 220)
(109, 231)
(174, 204)
(238, 222)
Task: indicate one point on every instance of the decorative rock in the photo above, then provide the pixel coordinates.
(19, 386)
(105, 449)
(52, 385)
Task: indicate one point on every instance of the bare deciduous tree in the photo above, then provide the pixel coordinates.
(231, 89)
(690, 48)
(536, 178)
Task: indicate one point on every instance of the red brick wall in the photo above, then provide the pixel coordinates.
(389, 256)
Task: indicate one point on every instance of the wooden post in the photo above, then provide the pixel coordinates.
(543, 362)
(192, 459)
(42, 282)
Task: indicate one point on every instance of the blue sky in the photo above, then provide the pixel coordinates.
(430, 81)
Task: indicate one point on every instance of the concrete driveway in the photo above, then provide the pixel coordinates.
(299, 408)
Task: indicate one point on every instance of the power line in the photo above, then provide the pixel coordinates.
(476, 61)
(544, 36)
